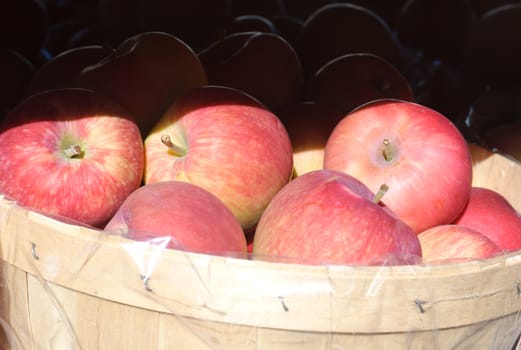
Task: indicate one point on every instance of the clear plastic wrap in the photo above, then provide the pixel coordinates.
(67, 286)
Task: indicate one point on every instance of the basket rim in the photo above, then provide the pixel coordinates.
(258, 293)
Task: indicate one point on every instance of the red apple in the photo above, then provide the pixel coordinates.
(351, 80)
(70, 152)
(452, 243)
(263, 65)
(61, 70)
(330, 217)
(226, 142)
(490, 213)
(309, 125)
(188, 216)
(416, 151)
(145, 74)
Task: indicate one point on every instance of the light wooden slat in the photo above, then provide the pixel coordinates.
(67, 286)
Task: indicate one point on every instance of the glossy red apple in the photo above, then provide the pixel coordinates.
(61, 70)
(452, 243)
(490, 213)
(309, 125)
(70, 152)
(330, 217)
(351, 80)
(416, 151)
(145, 74)
(263, 65)
(188, 216)
(226, 142)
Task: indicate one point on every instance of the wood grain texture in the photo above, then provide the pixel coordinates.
(71, 287)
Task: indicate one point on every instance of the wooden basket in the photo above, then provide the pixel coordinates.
(70, 287)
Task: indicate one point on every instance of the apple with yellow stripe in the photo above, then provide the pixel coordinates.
(225, 141)
(417, 151)
(71, 153)
(330, 217)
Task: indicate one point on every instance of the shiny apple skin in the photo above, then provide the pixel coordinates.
(456, 243)
(490, 213)
(329, 217)
(186, 216)
(35, 172)
(236, 148)
(430, 173)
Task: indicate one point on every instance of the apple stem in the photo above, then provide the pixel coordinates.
(175, 149)
(388, 150)
(381, 192)
(72, 151)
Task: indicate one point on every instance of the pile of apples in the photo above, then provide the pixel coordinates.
(251, 136)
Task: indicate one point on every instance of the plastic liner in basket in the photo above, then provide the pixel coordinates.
(66, 286)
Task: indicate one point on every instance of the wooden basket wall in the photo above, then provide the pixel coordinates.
(70, 287)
